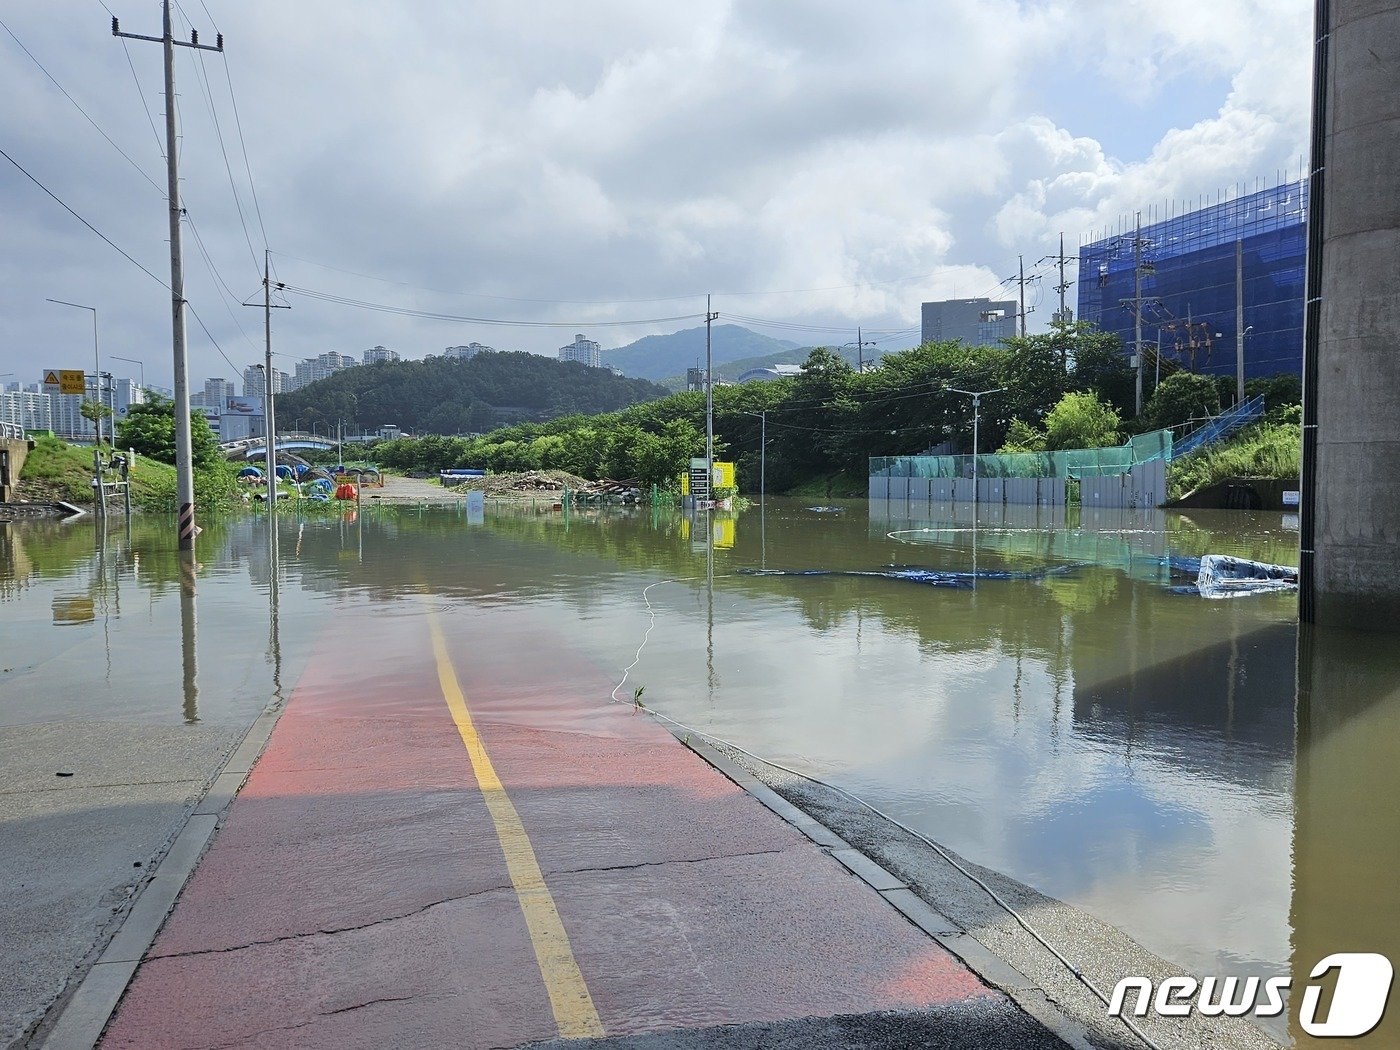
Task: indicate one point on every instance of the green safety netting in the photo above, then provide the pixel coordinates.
(1070, 463)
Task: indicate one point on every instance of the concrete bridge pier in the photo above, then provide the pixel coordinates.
(1351, 446)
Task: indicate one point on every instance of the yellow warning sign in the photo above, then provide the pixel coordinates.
(51, 377)
(71, 381)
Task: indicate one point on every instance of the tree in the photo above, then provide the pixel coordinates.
(1181, 397)
(1081, 420)
(94, 412)
(1099, 364)
(150, 430)
(1022, 437)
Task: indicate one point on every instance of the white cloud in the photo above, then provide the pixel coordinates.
(622, 151)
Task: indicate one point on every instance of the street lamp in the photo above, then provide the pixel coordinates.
(96, 358)
(977, 396)
(133, 361)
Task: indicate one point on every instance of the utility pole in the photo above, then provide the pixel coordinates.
(1065, 314)
(269, 415)
(710, 317)
(184, 461)
(1239, 321)
(1137, 308)
(860, 344)
(1139, 268)
(1022, 282)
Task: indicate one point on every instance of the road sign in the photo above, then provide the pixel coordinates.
(67, 380)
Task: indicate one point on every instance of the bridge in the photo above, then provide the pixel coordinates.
(251, 448)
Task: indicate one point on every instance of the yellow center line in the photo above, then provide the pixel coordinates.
(574, 1013)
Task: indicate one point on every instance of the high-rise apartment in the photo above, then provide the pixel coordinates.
(584, 351)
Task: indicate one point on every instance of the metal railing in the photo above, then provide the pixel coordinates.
(12, 430)
(1223, 425)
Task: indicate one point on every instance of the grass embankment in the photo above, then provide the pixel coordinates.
(56, 470)
(1265, 451)
(842, 483)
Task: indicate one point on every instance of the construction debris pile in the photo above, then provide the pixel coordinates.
(555, 482)
(529, 483)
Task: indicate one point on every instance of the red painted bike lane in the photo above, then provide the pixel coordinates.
(359, 893)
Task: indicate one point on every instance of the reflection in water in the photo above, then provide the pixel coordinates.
(274, 612)
(1346, 835)
(1126, 749)
(189, 637)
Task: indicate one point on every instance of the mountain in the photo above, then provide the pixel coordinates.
(658, 356)
(732, 370)
(443, 396)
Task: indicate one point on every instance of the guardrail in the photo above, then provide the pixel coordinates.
(1221, 426)
(12, 430)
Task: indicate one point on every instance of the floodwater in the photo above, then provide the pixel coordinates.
(1144, 755)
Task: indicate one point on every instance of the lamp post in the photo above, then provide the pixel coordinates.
(134, 361)
(96, 358)
(977, 396)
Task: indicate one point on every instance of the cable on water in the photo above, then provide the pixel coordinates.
(1000, 901)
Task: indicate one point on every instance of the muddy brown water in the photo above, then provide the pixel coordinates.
(1145, 755)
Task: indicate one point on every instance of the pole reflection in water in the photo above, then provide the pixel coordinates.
(189, 636)
(274, 584)
(1346, 832)
(710, 603)
(100, 588)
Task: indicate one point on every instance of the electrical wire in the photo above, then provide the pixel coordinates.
(238, 124)
(121, 252)
(220, 285)
(89, 225)
(431, 315)
(202, 77)
(948, 857)
(87, 116)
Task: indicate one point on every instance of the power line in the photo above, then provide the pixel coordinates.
(506, 322)
(119, 249)
(89, 225)
(202, 76)
(225, 292)
(79, 108)
(238, 123)
(605, 302)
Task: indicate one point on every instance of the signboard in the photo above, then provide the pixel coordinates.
(244, 406)
(68, 380)
(476, 507)
(1290, 497)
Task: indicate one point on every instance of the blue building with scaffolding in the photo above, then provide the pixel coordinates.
(1193, 267)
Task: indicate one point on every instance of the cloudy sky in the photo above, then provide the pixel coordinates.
(814, 164)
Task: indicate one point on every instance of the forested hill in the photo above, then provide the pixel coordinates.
(442, 396)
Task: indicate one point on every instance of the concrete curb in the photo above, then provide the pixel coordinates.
(976, 956)
(84, 1015)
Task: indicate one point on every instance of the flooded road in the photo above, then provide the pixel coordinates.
(1136, 752)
